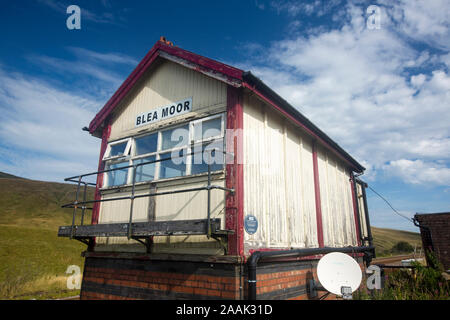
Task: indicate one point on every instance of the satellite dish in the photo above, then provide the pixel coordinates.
(336, 270)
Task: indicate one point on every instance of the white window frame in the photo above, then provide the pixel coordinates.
(126, 151)
(194, 122)
(130, 149)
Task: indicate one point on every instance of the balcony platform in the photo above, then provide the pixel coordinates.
(142, 229)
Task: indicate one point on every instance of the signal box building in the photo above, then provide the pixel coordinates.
(212, 186)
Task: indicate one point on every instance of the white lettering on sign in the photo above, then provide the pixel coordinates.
(166, 112)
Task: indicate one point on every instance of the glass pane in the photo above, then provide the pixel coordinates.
(174, 166)
(118, 149)
(145, 172)
(211, 153)
(207, 129)
(146, 144)
(117, 177)
(176, 137)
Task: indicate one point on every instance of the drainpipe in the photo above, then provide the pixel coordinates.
(358, 218)
(257, 256)
(366, 211)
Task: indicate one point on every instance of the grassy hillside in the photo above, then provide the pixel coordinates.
(33, 260)
(7, 175)
(385, 239)
(27, 203)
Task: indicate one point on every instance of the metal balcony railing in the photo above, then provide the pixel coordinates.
(137, 230)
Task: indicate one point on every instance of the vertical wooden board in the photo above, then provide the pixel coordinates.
(279, 182)
(275, 180)
(117, 211)
(308, 194)
(345, 208)
(294, 189)
(326, 198)
(336, 201)
(190, 205)
(254, 162)
(343, 232)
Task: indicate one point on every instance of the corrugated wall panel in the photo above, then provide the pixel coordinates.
(168, 82)
(181, 206)
(278, 180)
(255, 162)
(336, 202)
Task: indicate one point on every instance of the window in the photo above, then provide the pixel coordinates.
(183, 150)
(176, 137)
(145, 172)
(174, 164)
(207, 144)
(118, 149)
(117, 177)
(146, 144)
(211, 153)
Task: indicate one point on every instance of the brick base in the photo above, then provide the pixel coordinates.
(119, 278)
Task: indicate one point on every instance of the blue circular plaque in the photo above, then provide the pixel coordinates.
(250, 224)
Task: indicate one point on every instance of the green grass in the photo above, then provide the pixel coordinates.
(28, 203)
(385, 239)
(33, 259)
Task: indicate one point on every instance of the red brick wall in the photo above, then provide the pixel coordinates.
(120, 278)
(289, 280)
(112, 278)
(439, 226)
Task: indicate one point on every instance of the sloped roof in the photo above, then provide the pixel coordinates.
(223, 72)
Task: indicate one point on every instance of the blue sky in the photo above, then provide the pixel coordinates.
(381, 93)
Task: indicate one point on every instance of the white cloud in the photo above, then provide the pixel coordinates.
(422, 20)
(419, 172)
(295, 8)
(103, 57)
(355, 84)
(77, 67)
(40, 129)
(106, 17)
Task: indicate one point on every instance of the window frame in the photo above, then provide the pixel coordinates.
(131, 156)
(126, 153)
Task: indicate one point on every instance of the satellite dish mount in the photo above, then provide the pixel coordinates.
(338, 273)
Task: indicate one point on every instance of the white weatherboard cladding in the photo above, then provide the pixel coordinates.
(338, 219)
(167, 83)
(278, 180)
(164, 84)
(181, 206)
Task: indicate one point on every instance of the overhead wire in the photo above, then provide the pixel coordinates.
(401, 215)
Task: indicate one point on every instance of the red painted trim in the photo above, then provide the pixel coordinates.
(101, 166)
(146, 62)
(234, 204)
(317, 197)
(309, 131)
(229, 71)
(203, 63)
(355, 211)
(123, 90)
